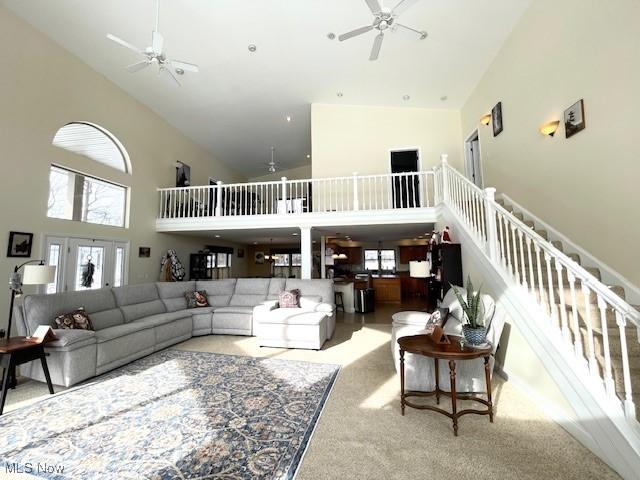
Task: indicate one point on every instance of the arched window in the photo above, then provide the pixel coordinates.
(93, 142)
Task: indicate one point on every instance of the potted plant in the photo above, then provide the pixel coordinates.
(474, 320)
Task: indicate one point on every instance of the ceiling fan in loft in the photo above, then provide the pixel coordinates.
(155, 54)
(272, 167)
(384, 19)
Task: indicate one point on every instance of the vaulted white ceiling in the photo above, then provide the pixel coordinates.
(237, 105)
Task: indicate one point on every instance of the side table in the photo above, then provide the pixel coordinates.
(452, 352)
(15, 351)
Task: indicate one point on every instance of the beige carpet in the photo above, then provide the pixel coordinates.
(361, 434)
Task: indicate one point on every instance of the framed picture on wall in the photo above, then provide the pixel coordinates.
(183, 175)
(20, 244)
(496, 119)
(574, 121)
(144, 252)
(241, 253)
(259, 258)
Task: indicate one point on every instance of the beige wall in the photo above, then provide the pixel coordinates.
(585, 186)
(298, 173)
(348, 139)
(43, 87)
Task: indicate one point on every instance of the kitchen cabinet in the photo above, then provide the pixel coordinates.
(388, 289)
(413, 252)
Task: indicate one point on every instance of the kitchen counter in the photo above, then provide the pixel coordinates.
(388, 288)
(348, 294)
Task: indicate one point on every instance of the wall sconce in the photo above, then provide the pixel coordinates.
(485, 119)
(550, 128)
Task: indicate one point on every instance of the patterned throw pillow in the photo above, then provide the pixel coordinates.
(197, 299)
(289, 299)
(76, 320)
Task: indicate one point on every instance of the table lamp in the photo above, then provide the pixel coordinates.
(420, 270)
(40, 274)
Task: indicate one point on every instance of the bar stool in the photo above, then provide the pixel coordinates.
(339, 301)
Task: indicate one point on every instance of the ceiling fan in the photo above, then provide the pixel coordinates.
(384, 19)
(155, 55)
(272, 164)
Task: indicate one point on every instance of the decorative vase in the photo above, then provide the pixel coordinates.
(474, 336)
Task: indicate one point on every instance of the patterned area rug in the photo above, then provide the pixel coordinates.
(173, 415)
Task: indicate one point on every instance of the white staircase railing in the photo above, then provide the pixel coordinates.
(293, 197)
(574, 303)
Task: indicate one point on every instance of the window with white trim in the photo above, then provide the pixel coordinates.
(79, 197)
(380, 260)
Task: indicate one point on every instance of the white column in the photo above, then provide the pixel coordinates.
(323, 257)
(490, 220)
(219, 199)
(445, 180)
(306, 249)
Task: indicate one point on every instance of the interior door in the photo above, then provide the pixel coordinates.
(474, 165)
(405, 189)
(90, 264)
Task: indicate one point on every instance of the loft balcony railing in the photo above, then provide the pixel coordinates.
(298, 197)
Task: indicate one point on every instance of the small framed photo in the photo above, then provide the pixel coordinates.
(20, 244)
(144, 252)
(574, 121)
(496, 119)
(183, 175)
(241, 253)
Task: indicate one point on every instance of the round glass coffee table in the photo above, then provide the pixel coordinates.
(451, 352)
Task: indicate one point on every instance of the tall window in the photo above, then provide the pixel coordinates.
(381, 260)
(220, 264)
(74, 196)
(287, 264)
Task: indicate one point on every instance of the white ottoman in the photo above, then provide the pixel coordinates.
(293, 328)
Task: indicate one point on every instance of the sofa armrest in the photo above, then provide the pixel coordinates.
(72, 339)
(313, 305)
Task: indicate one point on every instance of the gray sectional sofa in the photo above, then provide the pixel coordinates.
(137, 320)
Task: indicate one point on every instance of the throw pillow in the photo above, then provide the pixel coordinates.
(76, 320)
(289, 299)
(197, 299)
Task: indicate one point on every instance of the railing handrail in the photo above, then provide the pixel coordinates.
(300, 180)
(576, 269)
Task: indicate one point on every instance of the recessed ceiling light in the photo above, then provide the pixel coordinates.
(406, 98)
(294, 234)
(255, 243)
(179, 71)
(288, 118)
(252, 48)
(217, 236)
(331, 36)
(340, 94)
(444, 98)
(308, 156)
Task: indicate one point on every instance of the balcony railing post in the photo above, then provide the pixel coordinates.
(445, 178)
(285, 208)
(356, 203)
(490, 221)
(218, 199)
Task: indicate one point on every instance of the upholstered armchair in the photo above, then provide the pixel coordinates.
(419, 370)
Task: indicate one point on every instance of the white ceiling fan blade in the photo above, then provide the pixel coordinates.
(124, 43)
(422, 33)
(374, 6)
(402, 6)
(355, 33)
(157, 42)
(188, 67)
(136, 67)
(170, 74)
(377, 45)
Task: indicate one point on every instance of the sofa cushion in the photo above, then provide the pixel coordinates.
(293, 316)
(172, 294)
(75, 338)
(246, 300)
(235, 309)
(252, 286)
(43, 309)
(137, 301)
(219, 292)
(107, 318)
(118, 331)
(316, 287)
(276, 286)
(163, 318)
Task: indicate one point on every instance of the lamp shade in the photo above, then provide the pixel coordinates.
(39, 274)
(419, 269)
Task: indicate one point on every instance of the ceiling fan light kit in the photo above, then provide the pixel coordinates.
(384, 19)
(155, 55)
